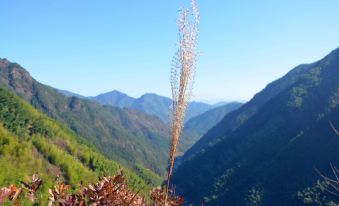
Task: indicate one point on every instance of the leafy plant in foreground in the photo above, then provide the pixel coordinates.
(112, 191)
(13, 193)
(107, 191)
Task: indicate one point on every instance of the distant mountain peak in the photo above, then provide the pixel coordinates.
(151, 103)
(150, 95)
(114, 92)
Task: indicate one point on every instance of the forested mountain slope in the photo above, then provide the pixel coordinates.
(127, 136)
(237, 118)
(197, 126)
(30, 142)
(266, 152)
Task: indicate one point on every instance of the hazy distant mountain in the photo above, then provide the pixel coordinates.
(197, 126)
(152, 104)
(265, 153)
(157, 105)
(196, 108)
(114, 98)
(127, 136)
(218, 104)
(70, 94)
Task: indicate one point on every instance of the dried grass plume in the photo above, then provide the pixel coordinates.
(182, 77)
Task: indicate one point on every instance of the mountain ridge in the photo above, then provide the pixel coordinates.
(115, 132)
(280, 144)
(238, 117)
(197, 126)
(151, 103)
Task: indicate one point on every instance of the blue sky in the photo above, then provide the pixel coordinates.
(94, 46)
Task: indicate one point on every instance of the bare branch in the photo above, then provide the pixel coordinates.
(334, 129)
(332, 185)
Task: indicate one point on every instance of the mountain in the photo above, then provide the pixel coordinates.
(156, 105)
(237, 118)
(150, 103)
(31, 142)
(197, 126)
(219, 104)
(196, 108)
(70, 94)
(115, 98)
(153, 104)
(266, 152)
(127, 136)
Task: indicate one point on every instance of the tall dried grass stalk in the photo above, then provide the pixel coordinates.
(182, 77)
(332, 184)
(334, 129)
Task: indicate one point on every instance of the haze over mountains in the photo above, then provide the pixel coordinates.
(263, 152)
(123, 132)
(266, 152)
(199, 119)
(149, 103)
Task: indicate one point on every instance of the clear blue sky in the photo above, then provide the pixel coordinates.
(94, 46)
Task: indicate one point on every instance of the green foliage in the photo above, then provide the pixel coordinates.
(73, 170)
(314, 195)
(254, 196)
(310, 80)
(19, 159)
(296, 98)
